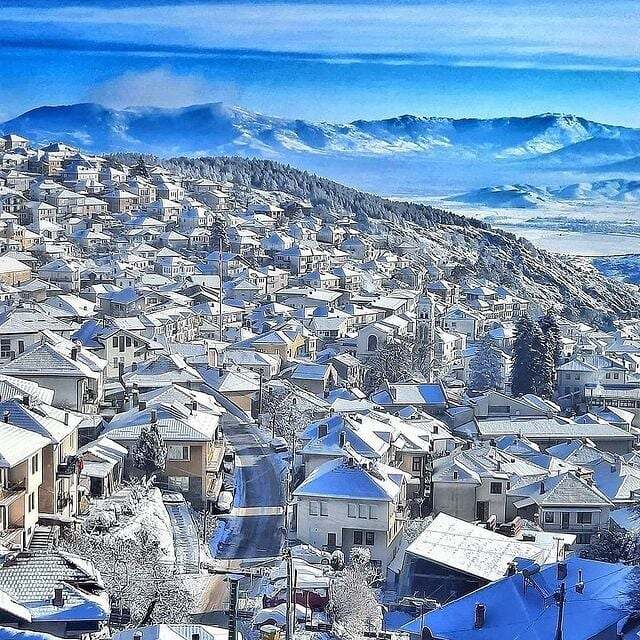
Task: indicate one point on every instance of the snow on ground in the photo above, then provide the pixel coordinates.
(131, 511)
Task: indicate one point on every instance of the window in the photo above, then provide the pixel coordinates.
(416, 464)
(608, 376)
(373, 513)
(314, 508)
(616, 376)
(369, 538)
(357, 537)
(32, 501)
(20, 346)
(35, 463)
(179, 482)
(5, 348)
(496, 488)
(372, 343)
(499, 409)
(177, 452)
(114, 342)
(549, 517)
(324, 509)
(362, 511)
(352, 510)
(584, 517)
(583, 538)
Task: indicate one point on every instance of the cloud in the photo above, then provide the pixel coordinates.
(160, 87)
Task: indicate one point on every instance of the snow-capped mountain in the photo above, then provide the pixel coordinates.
(219, 129)
(526, 196)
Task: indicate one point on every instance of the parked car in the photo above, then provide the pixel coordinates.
(279, 444)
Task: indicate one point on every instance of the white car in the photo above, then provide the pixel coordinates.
(224, 502)
(279, 444)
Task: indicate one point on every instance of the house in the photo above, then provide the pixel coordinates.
(23, 327)
(63, 273)
(14, 272)
(547, 432)
(429, 397)
(75, 375)
(523, 605)
(472, 482)
(21, 454)
(102, 466)
(316, 378)
(119, 348)
(52, 592)
(351, 502)
(452, 558)
(192, 438)
(565, 503)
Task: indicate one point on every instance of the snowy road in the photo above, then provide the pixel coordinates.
(253, 529)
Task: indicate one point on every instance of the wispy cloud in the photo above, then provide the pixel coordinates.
(516, 31)
(160, 87)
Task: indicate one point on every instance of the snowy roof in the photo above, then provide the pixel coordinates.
(518, 608)
(471, 549)
(341, 478)
(561, 490)
(30, 579)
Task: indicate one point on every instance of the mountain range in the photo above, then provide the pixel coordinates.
(551, 141)
(527, 196)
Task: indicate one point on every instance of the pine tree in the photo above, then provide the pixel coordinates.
(150, 452)
(140, 168)
(485, 367)
(530, 370)
(218, 238)
(550, 328)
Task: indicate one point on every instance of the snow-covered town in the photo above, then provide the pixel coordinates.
(230, 412)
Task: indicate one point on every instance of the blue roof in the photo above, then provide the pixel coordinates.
(337, 479)
(513, 612)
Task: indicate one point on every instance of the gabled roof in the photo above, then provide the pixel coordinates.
(566, 489)
(352, 481)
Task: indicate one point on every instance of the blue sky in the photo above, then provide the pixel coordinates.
(327, 60)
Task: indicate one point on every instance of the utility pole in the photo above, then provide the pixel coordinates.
(220, 290)
(233, 607)
(559, 598)
(290, 595)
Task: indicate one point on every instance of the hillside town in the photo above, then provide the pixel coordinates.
(227, 412)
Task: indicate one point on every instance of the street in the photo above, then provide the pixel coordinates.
(253, 530)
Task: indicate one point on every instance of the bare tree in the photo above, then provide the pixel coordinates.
(136, 575)
(353, 602)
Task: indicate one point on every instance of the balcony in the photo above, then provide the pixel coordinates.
(215, 455)
(70, 466)
(10, 493)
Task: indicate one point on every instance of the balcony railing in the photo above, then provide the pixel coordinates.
(70, 466)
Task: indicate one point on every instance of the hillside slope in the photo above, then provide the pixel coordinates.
(573, 286)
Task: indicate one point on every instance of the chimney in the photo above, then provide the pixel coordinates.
(194, 405)
(580, 583)
(66, 417)
(58, 597)
(74, 353)
(26, 400)
(142, 405)
(154, 416)
(342, 439)
(195, 635)
(480, 615)
(511, 568)
(5, 416)
(542, 489)
(455, 475)
(135, 397)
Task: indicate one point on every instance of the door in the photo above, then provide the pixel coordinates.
(565, 519)
(482, 510)
(331, 540)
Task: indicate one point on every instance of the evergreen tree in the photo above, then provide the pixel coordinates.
(150, 452)
(140, 168)
(485, 367)
(530, 369)
(550, 328)
(219, 239)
